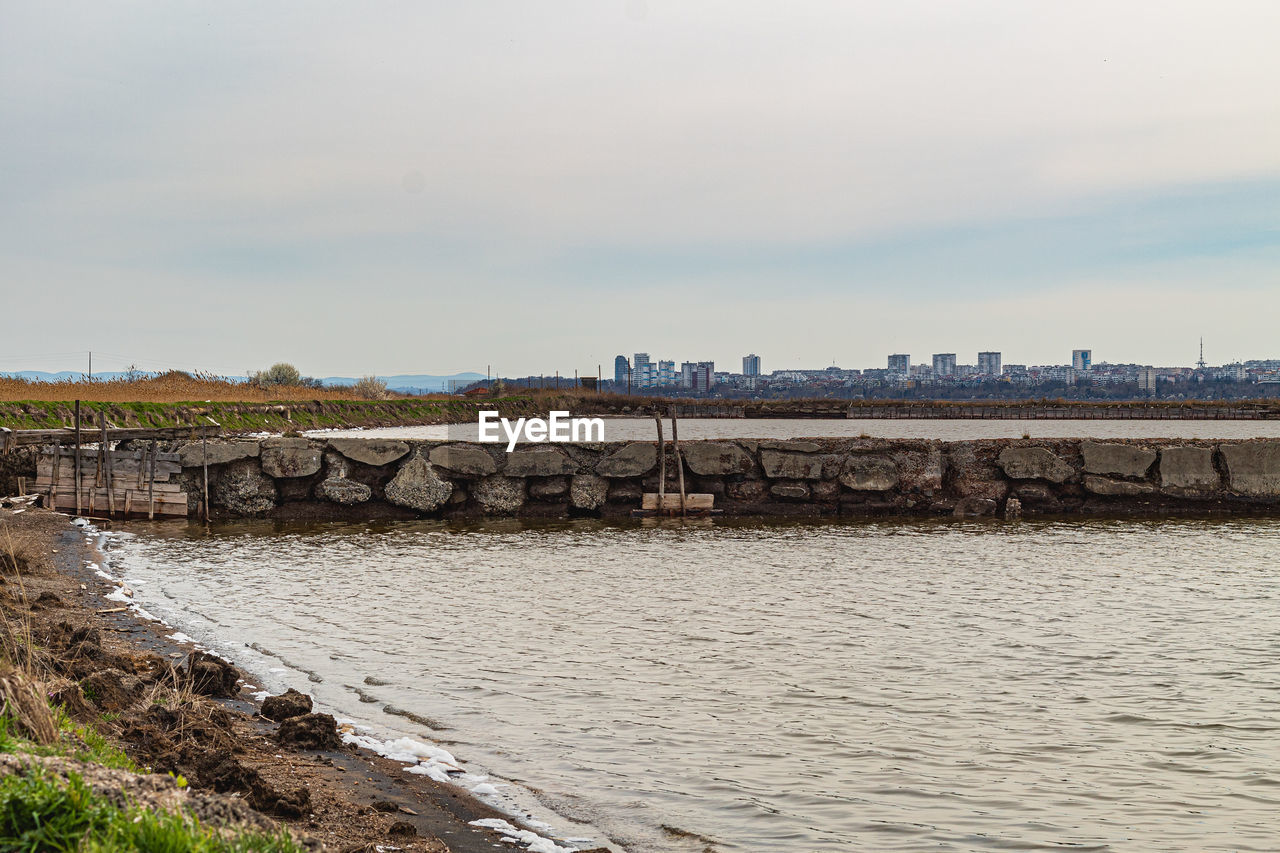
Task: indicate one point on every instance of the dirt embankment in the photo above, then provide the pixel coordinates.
(178, 711)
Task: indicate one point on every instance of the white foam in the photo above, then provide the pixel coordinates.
(533, 842)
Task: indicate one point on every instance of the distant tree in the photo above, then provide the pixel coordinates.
(370, 388)
(279, 374)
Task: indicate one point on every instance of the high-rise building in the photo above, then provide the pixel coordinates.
(1147, 379)
(900, 362)
(944, 364)
(666, 372)
(751, 365)
(704, 376)
(621, 367)
(1081, 359)
(989, 363)
(640, 370)
(687, 370)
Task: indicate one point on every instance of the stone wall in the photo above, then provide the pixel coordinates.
(380, 478)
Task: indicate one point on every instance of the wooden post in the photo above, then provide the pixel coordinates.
(106, 449)
(77, 471)
(57, 466)
(204, 446)
(97, 474)
(675, 443)
(662, 465)
(151, 486)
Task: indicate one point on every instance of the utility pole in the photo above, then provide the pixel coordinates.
(91, 359)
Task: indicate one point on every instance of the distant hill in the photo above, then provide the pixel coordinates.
(410, 381)
(72, 375)
(405, 382)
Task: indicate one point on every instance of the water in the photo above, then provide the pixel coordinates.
(1105, 685)
(642, 429)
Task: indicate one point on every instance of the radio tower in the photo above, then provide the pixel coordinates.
(1200, 363)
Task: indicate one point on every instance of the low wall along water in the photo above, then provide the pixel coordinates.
(352, 478)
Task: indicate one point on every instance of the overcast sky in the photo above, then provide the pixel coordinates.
(435, 187)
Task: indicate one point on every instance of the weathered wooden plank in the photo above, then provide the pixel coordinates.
(30, 437)
(672, 502)
(67, 486)
(161, 497)
(126, 454)
(129, 468)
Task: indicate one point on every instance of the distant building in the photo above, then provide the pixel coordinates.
(1147, 379)
(900, 362)
(666, 373)
(944, 364)
(751, 365)
(704, 376)
(687, 370)
(989, 363)
(1081, 359)
(621, 368)
(642, 371)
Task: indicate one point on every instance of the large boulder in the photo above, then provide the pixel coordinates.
(790, 491)
(1188, 469)
(1108, 486)
(220, 453)
(632, 460)
(242, 488)
(539, 462)
(869, 474)
(920, 471)
(417, 486)
(1033, 463)
(284, 458)
(588, 491)
(340, 490)
(1118, 460)
(498, 495)
(784, 465)
(792, 445)
(550, 487)
(1253, 468)
(716, 458)
(463, 459)
(370, 451)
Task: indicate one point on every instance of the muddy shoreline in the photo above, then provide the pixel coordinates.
(175, 710)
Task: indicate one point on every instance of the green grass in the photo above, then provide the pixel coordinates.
(40, 811)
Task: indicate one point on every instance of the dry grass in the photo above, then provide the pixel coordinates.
(172, 387)
(26, 705)
(23, 551)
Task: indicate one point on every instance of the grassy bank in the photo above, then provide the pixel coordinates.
(276, 416)
(58, 793)
(64, 786)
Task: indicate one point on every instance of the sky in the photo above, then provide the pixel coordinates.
(422, 187)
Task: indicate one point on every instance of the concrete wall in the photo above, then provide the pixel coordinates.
(378, 478)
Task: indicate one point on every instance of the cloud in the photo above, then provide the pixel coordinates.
(502, 160)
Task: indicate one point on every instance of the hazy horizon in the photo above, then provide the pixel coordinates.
(434, 188)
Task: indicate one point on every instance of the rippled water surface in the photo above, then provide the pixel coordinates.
(644, 429)
(877, 687)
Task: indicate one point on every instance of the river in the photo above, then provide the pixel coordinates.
(1100, 685)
